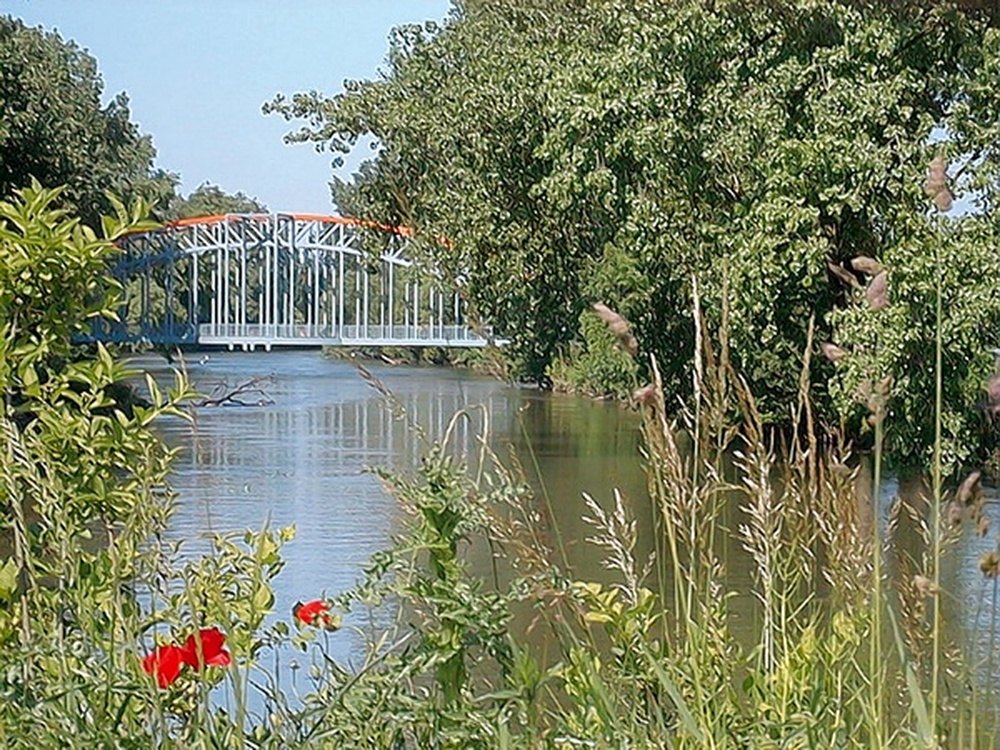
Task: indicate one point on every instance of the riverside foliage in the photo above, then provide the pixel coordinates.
(107, 641)
(575, 152)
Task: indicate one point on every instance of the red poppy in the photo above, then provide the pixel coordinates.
(210, 652)
(316, 613)
(165, 663)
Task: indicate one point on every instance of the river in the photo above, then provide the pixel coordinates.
(302, 458)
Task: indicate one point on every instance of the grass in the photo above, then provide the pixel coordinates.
(850, 647)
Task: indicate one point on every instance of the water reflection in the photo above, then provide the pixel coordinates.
(303, 459)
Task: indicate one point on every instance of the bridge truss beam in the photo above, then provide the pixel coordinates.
(263, 280)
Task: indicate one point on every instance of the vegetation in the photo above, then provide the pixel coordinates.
(578, 152)
(209, 200)
(54, 129)
(105, 640)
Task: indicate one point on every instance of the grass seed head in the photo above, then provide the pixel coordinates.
(989, 564)
(646, 395)
(618, 326)
(877, 292)
(866, 265)
(982, 525)
(832, 352)
(924, 585)
(970, 490)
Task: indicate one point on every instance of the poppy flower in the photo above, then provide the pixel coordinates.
(211, 652)
(164, 662)
(316, 613)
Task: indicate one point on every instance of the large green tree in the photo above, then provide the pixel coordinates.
(610, 150)
(54, 128)
(209, 200)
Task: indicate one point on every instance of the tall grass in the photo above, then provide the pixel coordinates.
(849, 645)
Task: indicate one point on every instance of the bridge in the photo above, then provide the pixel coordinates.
(264, 280)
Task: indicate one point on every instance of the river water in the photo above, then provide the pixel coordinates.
(302, 457)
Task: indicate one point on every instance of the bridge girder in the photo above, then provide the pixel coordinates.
(263, 280)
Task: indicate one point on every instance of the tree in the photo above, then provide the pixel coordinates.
(210, 200)
(575, 152)
(54, 129)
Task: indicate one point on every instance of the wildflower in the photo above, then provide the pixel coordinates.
(619, 327)
(316, 613)
(210, 652)
(164, 662)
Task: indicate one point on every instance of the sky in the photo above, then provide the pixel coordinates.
(197, 72)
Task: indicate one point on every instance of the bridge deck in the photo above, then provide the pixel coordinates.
(250, 336)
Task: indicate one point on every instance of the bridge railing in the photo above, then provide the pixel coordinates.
(373, 335)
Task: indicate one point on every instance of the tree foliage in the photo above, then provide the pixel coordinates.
(575, 152)
(210, 200)
(54, 128)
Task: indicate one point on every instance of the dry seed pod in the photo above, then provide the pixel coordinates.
(970, 489)
(989, 564)
(844, 275)
(878, 291)
(619, 327)
(866, 265)
(832, 352)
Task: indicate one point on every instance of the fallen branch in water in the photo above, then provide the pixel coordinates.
(224, 394)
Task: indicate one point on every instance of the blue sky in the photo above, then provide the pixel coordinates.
(197, 72)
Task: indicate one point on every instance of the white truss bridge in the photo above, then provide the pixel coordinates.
(264, 280)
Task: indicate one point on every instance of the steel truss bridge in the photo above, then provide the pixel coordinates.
(264, 280)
